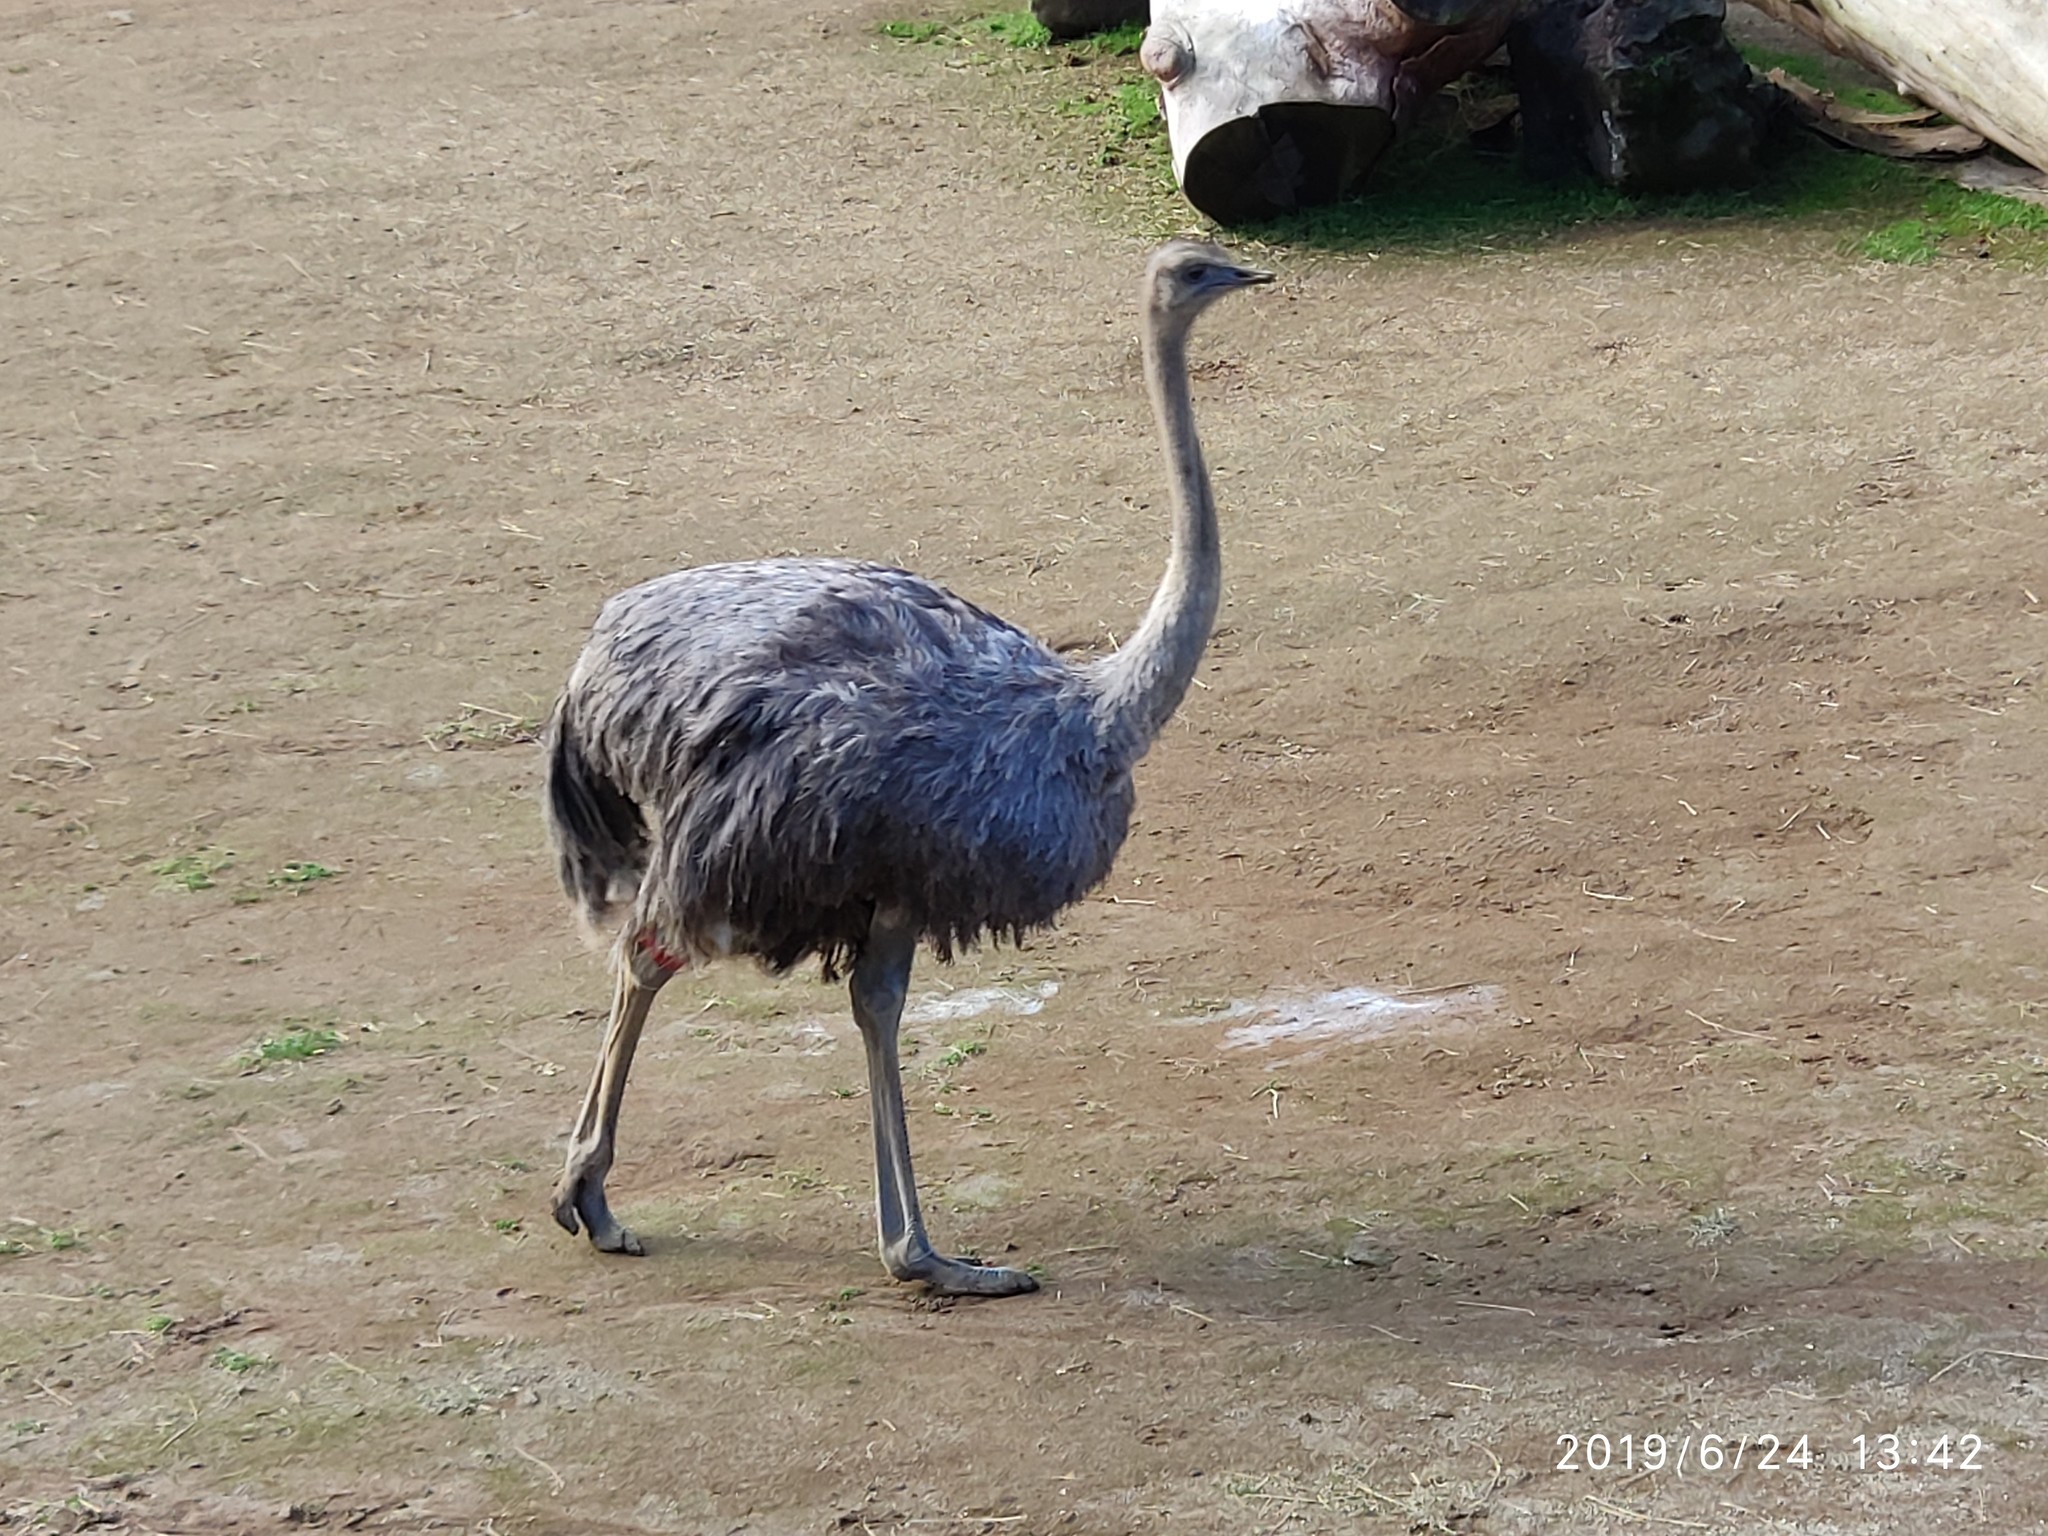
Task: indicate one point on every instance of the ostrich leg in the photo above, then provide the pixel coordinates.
(579, 1196)
(879, 983)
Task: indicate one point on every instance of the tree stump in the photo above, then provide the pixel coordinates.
(1648, 94)
(1077, 18)
(1273, 107)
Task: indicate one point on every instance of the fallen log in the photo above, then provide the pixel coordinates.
(1276, 105)
(1895, 135)
(1985, 64)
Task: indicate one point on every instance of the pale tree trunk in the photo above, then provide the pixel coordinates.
(1275, 105)
(1984, 63)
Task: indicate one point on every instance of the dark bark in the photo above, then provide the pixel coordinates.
(1648, 94)
(1077, 18)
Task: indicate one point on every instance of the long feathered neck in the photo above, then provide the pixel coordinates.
(1143, 682)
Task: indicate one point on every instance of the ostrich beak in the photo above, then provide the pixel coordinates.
(1253, 277)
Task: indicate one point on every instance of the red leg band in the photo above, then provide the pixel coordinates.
(658, 955)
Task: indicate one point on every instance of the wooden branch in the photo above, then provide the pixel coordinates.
(1897, 136)
(1984, 63)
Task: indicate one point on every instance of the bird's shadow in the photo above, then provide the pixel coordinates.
(1550, 1286)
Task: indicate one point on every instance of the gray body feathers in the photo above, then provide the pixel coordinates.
(758, 757)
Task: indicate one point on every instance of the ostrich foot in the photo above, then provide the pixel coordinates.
(956, 1277)
(580, 1206)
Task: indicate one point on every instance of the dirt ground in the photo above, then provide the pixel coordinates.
(1645, 630)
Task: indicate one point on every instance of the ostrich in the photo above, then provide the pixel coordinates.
(795, 757)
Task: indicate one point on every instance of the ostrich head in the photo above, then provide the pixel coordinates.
(1184, 277)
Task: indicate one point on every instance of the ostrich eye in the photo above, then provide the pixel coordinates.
(1196, 274)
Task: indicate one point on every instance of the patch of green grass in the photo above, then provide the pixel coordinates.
(478, 726)
(1137, 104)
(913, 31)
(300, 872)
(1825, 75)
(235, 1362)
(1020, 29)
(1435, 193)
(1115, 43)
(1132, 130)
(1016, 29)
(1131, 127)
(293, 1045)
(27, 1427)
(1010, 29)
(159, 1322)
(508, 1225)
(52, 1239)
(960, 1050)
(1908, 243)
(1954, 220)
(193, 871)
(1800, 66)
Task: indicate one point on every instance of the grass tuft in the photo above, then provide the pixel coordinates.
(193, 871)
(1434, 1498)
(1710, 1229)
(293, 1045)
(481, 726)
(960, 1051)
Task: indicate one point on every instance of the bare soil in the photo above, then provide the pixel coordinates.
(1647, 626)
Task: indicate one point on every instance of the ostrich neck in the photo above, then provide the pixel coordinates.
(1142, 683)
